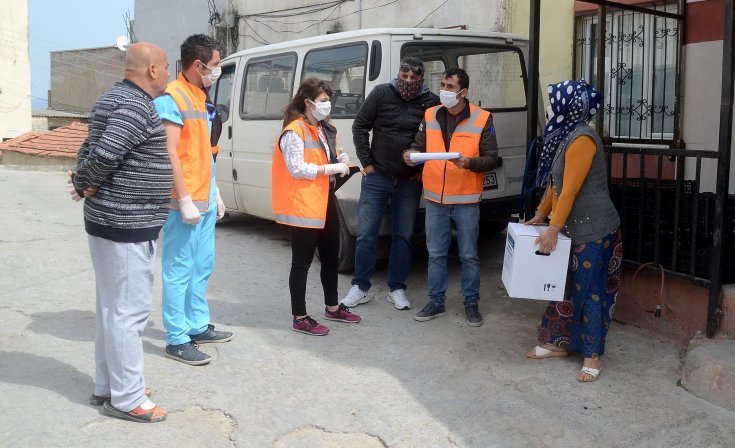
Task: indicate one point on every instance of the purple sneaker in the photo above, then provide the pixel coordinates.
(307, 325)
(342, 314)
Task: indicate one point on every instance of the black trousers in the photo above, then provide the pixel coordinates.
(303, 244)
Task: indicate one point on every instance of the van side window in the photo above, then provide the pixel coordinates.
(343, 67)
(267, 88)
(497, 75)
(224, 92)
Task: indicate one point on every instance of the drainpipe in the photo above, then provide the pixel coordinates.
(723, 172)
(358, 7)
(601, 33)
(532, 119)
(533, 71)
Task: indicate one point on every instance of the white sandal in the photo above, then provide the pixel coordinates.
(541, 353)
(594, 373)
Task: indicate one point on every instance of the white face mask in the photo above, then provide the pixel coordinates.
(211, 78)
(321, 110)
(448, 99)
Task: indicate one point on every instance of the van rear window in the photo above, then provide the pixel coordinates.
(343, 67)
(497, 75)
(267, 87)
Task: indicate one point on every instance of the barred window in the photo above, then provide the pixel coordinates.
(641, 80)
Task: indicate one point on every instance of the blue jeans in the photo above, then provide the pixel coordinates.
(378, 192)
(466, 218)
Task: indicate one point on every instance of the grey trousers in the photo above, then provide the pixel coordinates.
(124, 276)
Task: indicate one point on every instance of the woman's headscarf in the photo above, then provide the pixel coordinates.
(573, 102)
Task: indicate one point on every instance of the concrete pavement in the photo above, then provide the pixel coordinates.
(387, 382)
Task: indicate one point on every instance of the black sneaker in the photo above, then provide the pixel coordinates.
(211, 335)
(430, 311)
(187, 353)
(474, 318)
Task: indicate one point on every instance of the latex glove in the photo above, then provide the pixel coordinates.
(336, 168)
(189, 212)
(343, 158)
(220, 206)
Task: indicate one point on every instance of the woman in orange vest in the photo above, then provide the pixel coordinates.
(305, 163)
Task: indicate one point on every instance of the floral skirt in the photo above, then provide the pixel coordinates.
(580, 322)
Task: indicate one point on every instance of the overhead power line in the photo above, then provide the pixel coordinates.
(429, 14)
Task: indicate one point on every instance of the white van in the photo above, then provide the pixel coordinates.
(256, 84)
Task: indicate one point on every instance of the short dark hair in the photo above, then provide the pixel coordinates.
(462, 76)
(413, 62)
(197, 47)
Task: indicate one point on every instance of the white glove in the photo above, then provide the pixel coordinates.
(337, 168)
(220, 206)
(189, 212)
(343, 158)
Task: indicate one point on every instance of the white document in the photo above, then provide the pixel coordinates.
(424, 156)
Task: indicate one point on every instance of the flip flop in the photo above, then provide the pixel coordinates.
(594, 373)
(541, 353)
(138, 414)
(96, 400)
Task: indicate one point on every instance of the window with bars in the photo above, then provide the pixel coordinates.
(641, 72)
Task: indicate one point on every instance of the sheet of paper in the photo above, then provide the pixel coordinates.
(417, 157)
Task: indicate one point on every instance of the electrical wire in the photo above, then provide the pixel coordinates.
(305, 28)
(93, 55)
(318, 22)
(314, 8)
(429, 14)
(263, 40)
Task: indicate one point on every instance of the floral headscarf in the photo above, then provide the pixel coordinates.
(573, 102)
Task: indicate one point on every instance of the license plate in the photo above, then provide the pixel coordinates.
(490, 181)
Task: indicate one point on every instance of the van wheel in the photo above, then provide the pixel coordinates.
(346, 259)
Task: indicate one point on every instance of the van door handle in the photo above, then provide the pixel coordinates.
(229, 132)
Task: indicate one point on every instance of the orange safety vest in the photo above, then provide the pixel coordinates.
(300, 202)
(444, 182)
(194, 149)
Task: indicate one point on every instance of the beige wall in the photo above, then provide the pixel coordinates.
(15, 69)
(556, 40)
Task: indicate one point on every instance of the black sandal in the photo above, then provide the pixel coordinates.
(96, 400)
(136, 415)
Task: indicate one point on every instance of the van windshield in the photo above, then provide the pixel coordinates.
(497, 77)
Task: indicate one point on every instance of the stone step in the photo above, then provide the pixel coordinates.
(709, 372)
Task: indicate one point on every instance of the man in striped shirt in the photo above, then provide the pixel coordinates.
(124, 174)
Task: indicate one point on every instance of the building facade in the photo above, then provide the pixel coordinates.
(15, 70)
(242, 24)
(79, 77)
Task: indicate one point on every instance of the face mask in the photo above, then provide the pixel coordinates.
(211, 78)
(448, 99)
(321, 110)
(408, 90)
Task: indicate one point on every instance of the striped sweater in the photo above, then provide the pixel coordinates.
(125, 156)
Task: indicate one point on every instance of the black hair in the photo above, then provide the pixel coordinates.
(462, 76)
(197, 47)
(309, 89)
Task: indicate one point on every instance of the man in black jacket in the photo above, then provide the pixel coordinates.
(393, 112)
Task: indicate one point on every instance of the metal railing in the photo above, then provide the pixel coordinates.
(665, 216)
(641, 56)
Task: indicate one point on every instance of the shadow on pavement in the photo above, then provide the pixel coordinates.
(26, 369)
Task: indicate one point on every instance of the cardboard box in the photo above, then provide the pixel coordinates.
(527, 274)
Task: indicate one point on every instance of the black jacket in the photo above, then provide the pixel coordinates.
(394, 123)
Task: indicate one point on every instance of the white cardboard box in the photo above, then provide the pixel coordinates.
(528, 274)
